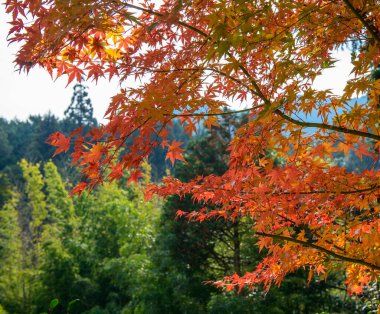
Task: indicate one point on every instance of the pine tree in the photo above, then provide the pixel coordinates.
(80, 111)
(5, 147)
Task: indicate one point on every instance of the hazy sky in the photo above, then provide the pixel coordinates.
(36, 93)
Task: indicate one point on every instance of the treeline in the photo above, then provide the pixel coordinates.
(112, 252)
(27, 139)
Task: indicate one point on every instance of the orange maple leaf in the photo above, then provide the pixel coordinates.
(345, 147)
(57, 139)
(211, 121)
(362, 150)
(175, 151)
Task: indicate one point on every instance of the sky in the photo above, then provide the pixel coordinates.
(34, 93)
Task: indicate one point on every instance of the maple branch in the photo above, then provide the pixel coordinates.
(207, 36)
(322, 249)
(267, 102)
(372, 188)
(162, 15)
(212, 114)
(257, 91)
(371, 28)
(326, 126)
(313, 232)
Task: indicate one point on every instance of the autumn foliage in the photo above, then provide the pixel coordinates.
(189, 60)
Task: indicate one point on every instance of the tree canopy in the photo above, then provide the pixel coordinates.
(191, 59)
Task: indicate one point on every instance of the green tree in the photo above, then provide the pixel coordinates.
(34, 184)
(19, 135)
(13, 275)
(42, 127)
(33, 216)
(5, 188)
(58, 267)
(115, 231)
(6, 148)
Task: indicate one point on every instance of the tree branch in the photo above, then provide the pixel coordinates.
(326, 126)
(212, 114)
(371, 28)
(372, 188)
(200, 32)
(322, 249)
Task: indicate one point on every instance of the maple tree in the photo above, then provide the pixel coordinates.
(191, 59)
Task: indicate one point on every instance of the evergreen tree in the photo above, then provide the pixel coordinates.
(5, 147)
(42, 128)
(19, 135)
(33, 216)
(5, 189)
(80, 111)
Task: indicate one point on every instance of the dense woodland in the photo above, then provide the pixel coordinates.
(110, 251)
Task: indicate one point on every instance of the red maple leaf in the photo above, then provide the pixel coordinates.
(134, 176)
(59, 140)
(175, 151)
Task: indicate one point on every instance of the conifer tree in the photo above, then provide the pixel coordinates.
(80, 110)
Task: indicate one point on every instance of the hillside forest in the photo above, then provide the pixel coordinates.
(111, 251)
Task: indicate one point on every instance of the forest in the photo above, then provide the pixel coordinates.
(111, 252)
(222, 178)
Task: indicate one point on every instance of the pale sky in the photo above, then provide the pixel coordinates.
(36, 93)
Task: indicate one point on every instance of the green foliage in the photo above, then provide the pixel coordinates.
(34, 184)
(41, 128)
(94, 248)
(5, 189)
(12, 273)
(6, 148)
(2, 311)
(59, 204)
